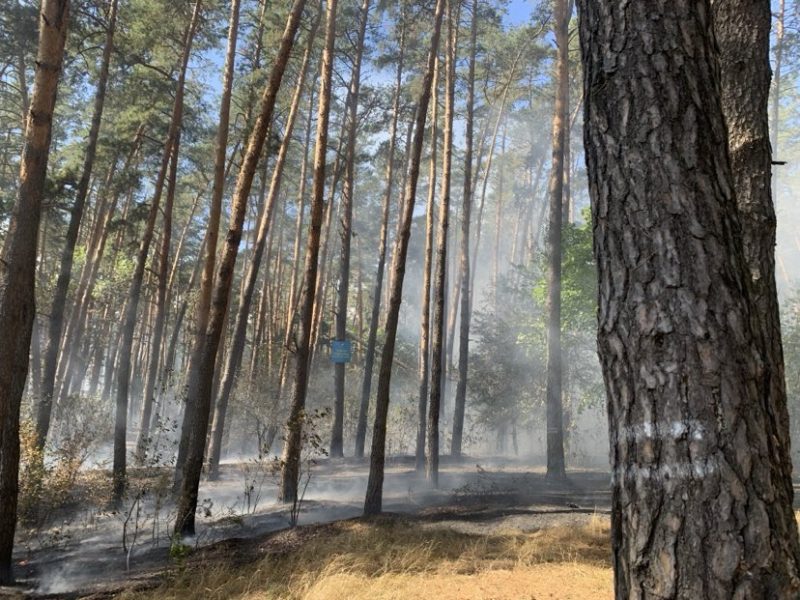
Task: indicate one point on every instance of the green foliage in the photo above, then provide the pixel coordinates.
(508, 364)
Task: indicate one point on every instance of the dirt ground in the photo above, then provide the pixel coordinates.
(86, 557)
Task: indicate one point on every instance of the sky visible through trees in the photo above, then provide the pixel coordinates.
(238, 286)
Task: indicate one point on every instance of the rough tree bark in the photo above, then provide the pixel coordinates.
(57, 308)
(204, 355)
(18, 265)
(742, 29)
(700, 503)
(374, 496)
(556, 467)
(290, 459)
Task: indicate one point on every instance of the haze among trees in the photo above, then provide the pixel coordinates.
(351, 298)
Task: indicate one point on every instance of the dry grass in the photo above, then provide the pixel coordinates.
(393, 558)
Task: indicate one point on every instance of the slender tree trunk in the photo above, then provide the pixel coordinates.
(498, 221)
(374, 496)
(343, 285)
(440, 265)
(160, 308)
(425, 313)
(700, 504)
(204, 358)
(220, 149)
(77, 323)
(324, 270)
(169, 359)
(556, 468)
(18, 265)
(58, 306)
(290, 459)
(294, 299)
(125, 355)
(466, 213)
(369, 356)
(243, 312)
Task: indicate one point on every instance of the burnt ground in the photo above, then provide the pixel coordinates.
(85, 556)
(81, 556)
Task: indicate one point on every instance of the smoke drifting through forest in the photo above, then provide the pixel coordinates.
(214, 197)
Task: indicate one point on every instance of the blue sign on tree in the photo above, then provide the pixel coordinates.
(341, 351)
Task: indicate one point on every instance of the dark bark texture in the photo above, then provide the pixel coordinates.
(700, 502)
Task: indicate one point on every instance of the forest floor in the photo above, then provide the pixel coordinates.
(497, 529)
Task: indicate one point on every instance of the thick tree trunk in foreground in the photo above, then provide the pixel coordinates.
(742, 29)
(556, 468)
(204, 355)
(699, 502)
(18, 265)
(290, 459)
(58, 306)
(440, 265)
(466, 215)
(369, 355)
(374, 497)
(126, 355)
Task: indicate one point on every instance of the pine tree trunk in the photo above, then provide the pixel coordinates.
(56, 320)
(76, 326)
(369, 356)
(287, 349)
(205, 354)
(374, 496)
(234, 357)
(742, 30)
(160, 308)
(125, 354)
(346, 232)
(18, 265)
(440, 264)
(699, 505)
(425, 312)
(220, 149)
(556, 467)
(290, 459)
(325, 243)
(466, 213)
